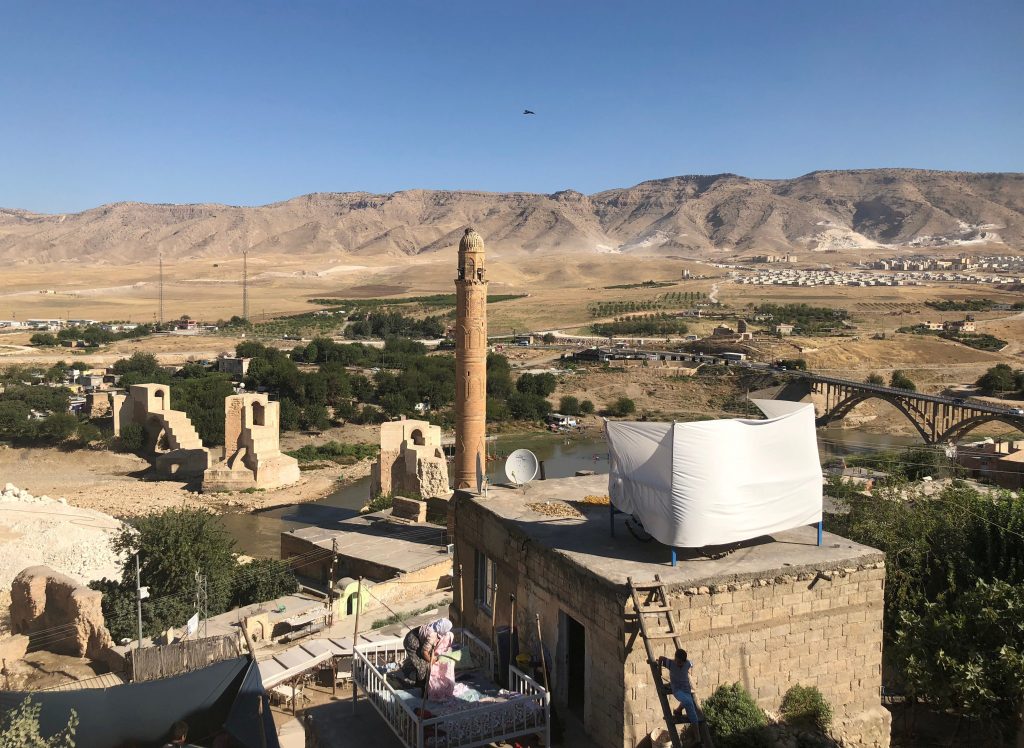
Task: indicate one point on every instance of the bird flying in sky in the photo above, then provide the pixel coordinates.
(527, 111)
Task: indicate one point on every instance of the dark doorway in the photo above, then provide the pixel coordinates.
(576, 664)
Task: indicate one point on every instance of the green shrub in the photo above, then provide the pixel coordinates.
(132, 438)
(380, 502)
(804, 706)
(735, 720)
(19, 728)
(623, 406)
(262, 579)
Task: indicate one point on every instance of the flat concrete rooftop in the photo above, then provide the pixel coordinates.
(376, 538)
(586, 541)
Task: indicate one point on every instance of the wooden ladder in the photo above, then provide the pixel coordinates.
(657, 604)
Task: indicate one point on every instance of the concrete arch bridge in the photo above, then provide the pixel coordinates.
(938, 419)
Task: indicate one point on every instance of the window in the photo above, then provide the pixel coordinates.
(485, 571)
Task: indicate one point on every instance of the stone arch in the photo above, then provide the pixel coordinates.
(351, 603)
(160, 396)
(417, 437)
(961, 429)
(470, 267)
(843, 408)
(259, 414)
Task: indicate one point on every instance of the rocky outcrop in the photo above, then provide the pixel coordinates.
(43, 600)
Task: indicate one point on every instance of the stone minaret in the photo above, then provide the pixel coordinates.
(470, 362)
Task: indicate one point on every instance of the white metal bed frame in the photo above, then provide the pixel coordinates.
(415, 732)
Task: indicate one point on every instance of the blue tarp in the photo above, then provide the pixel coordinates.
(223, 696)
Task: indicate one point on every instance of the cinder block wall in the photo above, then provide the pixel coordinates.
(769, 634)
(822, 629)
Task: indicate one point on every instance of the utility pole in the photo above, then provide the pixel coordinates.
(245, 284)
(334, 565)
(161, 288)
(202, 603)
(138, 596)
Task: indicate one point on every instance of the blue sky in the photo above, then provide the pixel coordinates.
(252, 102)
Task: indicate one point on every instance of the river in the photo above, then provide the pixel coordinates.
(259, 533)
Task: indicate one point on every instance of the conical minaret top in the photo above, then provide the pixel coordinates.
(470, 363)
(471, 257)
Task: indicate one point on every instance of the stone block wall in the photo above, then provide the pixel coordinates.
(821, 628)
(547, 584)
(816, 629)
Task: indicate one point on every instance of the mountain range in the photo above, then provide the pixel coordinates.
(693, 215)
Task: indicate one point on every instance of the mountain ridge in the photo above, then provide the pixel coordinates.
(702, 214)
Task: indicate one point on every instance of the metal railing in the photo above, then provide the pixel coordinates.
(525, 713)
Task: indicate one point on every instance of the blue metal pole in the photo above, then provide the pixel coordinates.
(673, 555)
(819, 532)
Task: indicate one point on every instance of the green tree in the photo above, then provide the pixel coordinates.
(14, 419)
(586, 407)
(1000, 378)
(901, 381)
(132, 438)
(569, 405)
(57, 427)
(19, 728)
(57, 372)
(202, 400)
(952, 641)
(262, 579)
(315, 417)
(43, 339)
(144, 364)
(875, 378)
(548, 338)
(537, 384)
(291, 415)
(499, 376)
(172, 546)
(528, 406)
(622, 406)
(965, 652)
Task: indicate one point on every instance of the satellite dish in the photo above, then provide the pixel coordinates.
(521, 467)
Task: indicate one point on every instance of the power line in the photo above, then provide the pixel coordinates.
(245, 284)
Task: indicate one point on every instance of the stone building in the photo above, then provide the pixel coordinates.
(411, 461)
(170, 436)
(252, 447)
(774, 612)
(1000, 462)
(470, 362)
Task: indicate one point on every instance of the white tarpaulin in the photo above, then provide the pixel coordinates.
(716, 482)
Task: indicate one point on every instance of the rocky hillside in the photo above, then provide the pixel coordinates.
(689, 214)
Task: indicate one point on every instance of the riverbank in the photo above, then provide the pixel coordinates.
(116, 483)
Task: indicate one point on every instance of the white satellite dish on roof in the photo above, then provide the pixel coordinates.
(521, 466)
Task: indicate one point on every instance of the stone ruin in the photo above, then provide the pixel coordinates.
(170, 435)
(411, 460)
(252, 447)
(45, 600)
